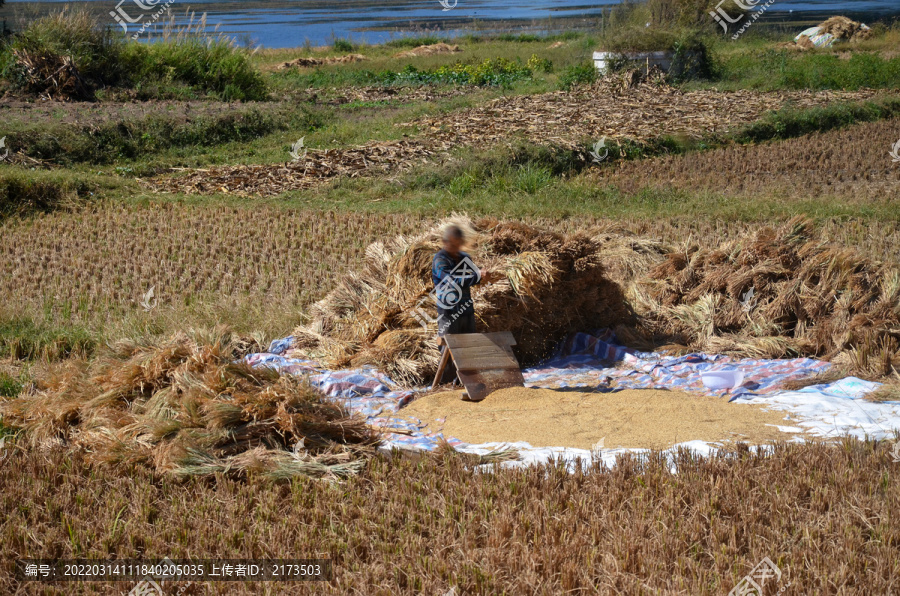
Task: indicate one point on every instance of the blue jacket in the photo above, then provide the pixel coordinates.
(452, 279)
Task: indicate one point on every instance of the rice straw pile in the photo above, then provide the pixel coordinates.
(551, 285)
(770, 294)
(777, 293)
(187, 406)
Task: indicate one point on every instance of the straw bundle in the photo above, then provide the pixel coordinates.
(776, 293)
(551, 285)
(845, 29)
(186, 406)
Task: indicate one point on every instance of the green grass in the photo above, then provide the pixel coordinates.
(138, 138)
(768, 68)
(182, 67)
(10, 386)
(27, 338)
(791, 122)
(23, 192)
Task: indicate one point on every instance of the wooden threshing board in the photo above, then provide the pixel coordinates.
(484, 362)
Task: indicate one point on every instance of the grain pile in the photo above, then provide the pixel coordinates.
(777, 293)
(552, 284)
(646, 418)
(185, 406)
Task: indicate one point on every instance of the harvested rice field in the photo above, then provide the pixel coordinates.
(648, 418)
(218, 332)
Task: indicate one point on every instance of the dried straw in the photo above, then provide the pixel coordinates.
(188, 406)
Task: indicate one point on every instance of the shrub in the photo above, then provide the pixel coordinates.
(342, 45)
(37, 60)
(490, 72)
(212, 66)
(68, 55)
(578, 74)
(536, 63)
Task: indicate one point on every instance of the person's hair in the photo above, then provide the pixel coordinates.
(452, 231)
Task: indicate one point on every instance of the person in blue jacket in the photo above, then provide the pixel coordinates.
(454, 273)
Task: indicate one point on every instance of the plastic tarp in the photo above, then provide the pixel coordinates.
(590, 361)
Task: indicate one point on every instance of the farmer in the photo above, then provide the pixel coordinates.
(453, 273)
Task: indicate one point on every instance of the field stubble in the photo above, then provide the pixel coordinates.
(257, 267)
(422, 527)
(852, 164)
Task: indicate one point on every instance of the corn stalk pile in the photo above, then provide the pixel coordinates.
(615, 108)
(52, 76)
(187, 406)
(313, 168)
(305, 62)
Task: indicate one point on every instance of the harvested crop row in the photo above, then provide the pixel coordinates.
(561, 118)
(645, 111)
(826, 515)
(100, 261)
(852, 163)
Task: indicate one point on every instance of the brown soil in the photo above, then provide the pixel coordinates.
(646, 418)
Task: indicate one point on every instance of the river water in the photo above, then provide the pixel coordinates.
(291, 23)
